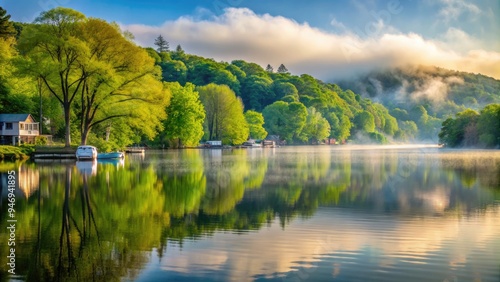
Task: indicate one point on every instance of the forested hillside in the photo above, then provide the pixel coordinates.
(300, 109)
(426, 95)
(89, 82)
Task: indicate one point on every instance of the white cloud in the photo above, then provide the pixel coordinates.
(338, 25)
(454, 8)
(239, 33)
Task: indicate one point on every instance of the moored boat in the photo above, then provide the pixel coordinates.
(112, 155)
(86, 152)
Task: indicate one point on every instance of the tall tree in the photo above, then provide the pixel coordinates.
(365, 121)
(184, 125)
(7, 29)
(161, 43)
(55, 53)
(269, 68)
(121, 82)
(255, 122)
(285, 119)
(489, 125)
(224, 114)
(316, 128)
(282, 69)
(455, 131)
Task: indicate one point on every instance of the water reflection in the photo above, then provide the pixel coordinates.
(293, 210)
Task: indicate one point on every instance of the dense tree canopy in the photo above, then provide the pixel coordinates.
(91, 68)
(121, 81)
(255, 122)
(285, 120)
(470, 128)
(224, 114)
(55, 53)
(111, 90)
(184, 124)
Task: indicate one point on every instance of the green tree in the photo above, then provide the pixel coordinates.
(282, 69)
(365, 121)
(408, 130)
(55, 53)
(174, 70)
(162, 44)
(256, 92)
(461, 130)
(285, 119)
(316, 128)
(250, 68)
(224, 114)
(255, 122)
(489, 126)
(282, 89)
(114, 80)
(186, 115)
(16, 92)
(269, 68)
(7, 29)
(391, 125)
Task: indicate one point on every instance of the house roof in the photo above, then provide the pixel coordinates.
(14, 117)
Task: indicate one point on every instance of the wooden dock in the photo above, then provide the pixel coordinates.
(135, 150)
(54, 153)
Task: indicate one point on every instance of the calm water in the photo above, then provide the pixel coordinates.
(285, 214)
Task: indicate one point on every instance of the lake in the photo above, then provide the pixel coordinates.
(312, 213)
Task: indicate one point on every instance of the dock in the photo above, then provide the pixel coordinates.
(135, 150)
(54, 153)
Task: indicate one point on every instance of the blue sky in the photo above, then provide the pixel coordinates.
(327, 38)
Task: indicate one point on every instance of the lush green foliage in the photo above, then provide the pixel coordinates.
(259, 88)
(184, 124)
(98, 75)
(425, 96)
(255, 121)
(224, 114)
(95, 72)
(470, 128)
(285, 120)
(15, 152)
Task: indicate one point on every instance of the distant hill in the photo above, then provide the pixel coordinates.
(442, 92)
(425, 95)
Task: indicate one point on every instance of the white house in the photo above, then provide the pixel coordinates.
(17, 128)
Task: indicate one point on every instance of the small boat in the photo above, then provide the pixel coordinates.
(112, 155)
(86, 152)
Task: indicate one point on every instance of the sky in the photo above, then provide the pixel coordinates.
(325, 38)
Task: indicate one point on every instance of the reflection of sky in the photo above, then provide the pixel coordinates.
(346, 244)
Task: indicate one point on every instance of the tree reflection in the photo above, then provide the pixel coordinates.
(101, 223)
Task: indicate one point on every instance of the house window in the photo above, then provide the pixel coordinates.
(21, 126)
(8, 125)
(35, 126)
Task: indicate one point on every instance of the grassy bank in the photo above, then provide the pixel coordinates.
(16, 152)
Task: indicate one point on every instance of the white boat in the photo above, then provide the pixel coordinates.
(86, 152)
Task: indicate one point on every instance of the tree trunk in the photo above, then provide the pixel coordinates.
(67, 136)
(85, 135)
